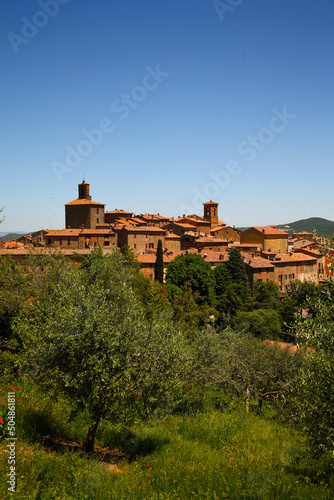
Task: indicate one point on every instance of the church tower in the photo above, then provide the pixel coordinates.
(83, 212)
(211, 213)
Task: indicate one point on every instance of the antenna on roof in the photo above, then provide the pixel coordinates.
(83, 176)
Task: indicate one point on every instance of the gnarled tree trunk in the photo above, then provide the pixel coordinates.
(90, 438)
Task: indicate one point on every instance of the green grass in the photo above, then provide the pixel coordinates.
(208, 455)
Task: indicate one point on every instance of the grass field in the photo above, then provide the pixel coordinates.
(208, 455)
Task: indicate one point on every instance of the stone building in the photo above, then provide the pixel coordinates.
(81, 238)
(83, 211)
(141, 239)
(271, 239)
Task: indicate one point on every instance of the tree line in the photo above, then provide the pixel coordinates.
(122, 347)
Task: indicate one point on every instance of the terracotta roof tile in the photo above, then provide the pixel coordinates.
(84, 202)
(270, 230)
(144, 229)
(256, 262)
(119, 212)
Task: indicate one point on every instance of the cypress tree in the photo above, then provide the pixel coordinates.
(159, 264)
(237, 267)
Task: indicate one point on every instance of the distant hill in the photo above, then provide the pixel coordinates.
(323, 227)
(12, 236)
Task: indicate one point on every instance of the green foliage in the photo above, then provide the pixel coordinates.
(243, 365)
(266, 295)
(209, 455)
(262, 323)
(88, 335)
(296, 298)
(152, 294)
(237, 267)
(187, 311)
(159, 264)
(192, 269)
(311, 401)
(222, 278)
(129, 258)
(232, 287)
(13, 293)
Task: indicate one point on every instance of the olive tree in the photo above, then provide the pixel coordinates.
(87, 336)
(311, 400)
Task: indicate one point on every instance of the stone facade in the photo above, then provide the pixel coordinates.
(271, 239)
(83, 211)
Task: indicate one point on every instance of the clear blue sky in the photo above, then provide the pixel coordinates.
(186, 95)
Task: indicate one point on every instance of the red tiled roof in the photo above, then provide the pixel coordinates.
(77, 232)
(49, 250)
(185, 225)
(207, 239)
(120, 212)
(295, 257)
(256, 262)
(83, 201)
(171, 235)
(244, 245)
(218, 228)
(270, 230)
(151, 258)
(145, 229)
(210, 255)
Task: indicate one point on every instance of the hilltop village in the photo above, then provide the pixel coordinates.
(269, 253)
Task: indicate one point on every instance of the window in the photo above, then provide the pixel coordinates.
(214, 212)
(151, 265)
(135, 236)
(207, 212)
(60, 242)
(68, 241)
(171, 244)
(97, 210)
(106, 243)
(151, 276)
(135, 245)
(151, 245)
(97, 220)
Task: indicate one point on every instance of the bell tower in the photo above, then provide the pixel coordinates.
(211, 212)
(84, 191)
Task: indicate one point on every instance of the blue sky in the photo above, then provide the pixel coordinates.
(164, 105)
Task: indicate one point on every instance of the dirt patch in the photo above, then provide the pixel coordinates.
(108, 456)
